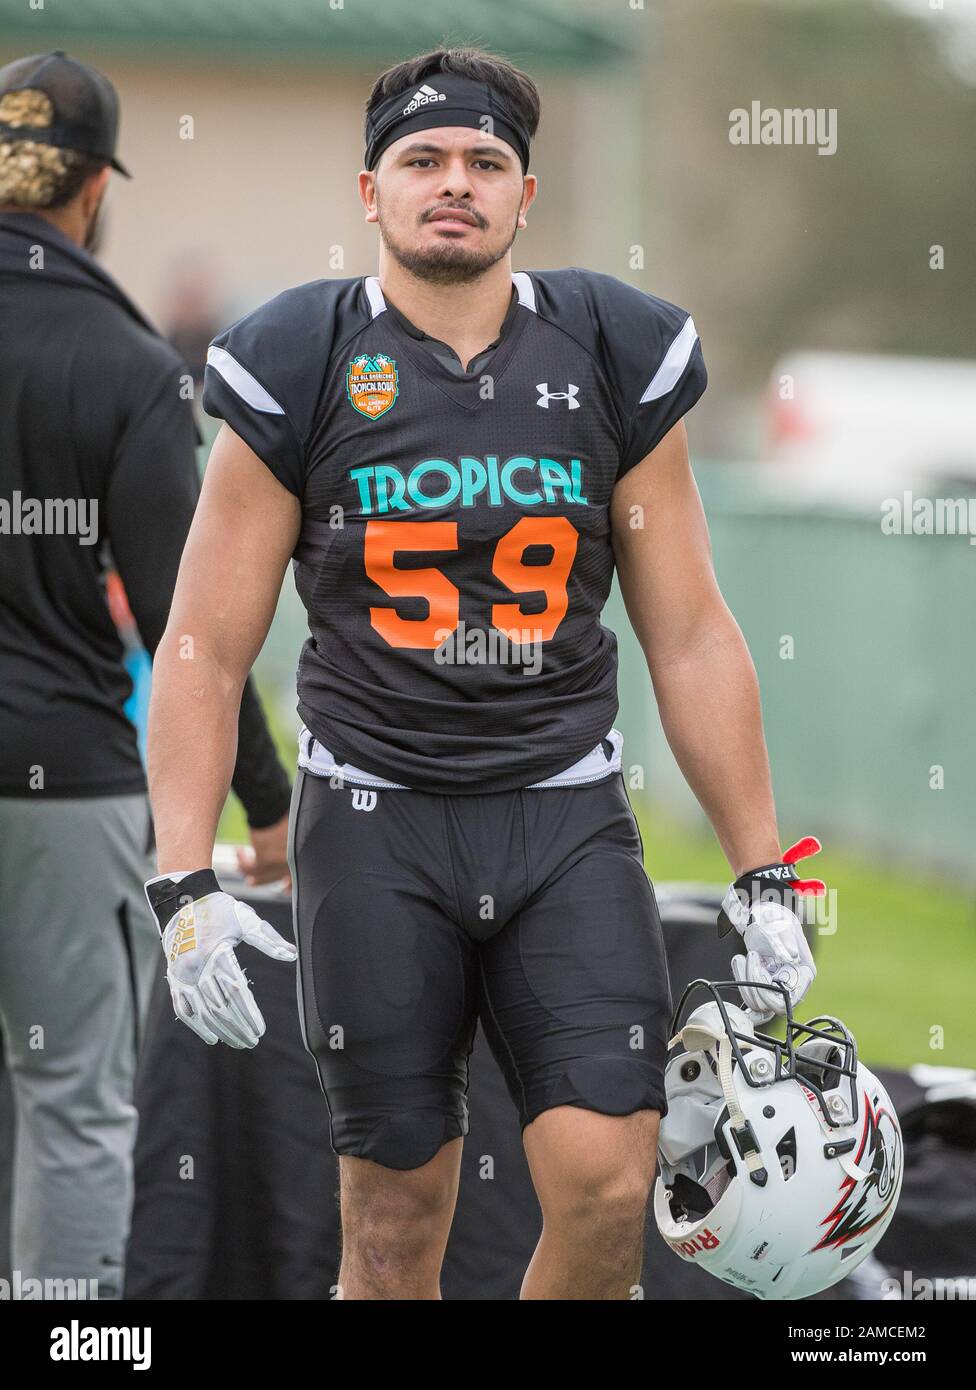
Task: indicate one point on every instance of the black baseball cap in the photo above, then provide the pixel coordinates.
(86, 107)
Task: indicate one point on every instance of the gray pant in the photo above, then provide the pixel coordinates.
(78, 953)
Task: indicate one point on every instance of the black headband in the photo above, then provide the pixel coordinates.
(446, 99)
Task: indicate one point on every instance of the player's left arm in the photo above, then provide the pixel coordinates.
(703, 676)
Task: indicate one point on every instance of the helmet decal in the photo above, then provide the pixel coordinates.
(863, 1203)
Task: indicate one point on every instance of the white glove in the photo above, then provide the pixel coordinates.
(209, 989)
(777, 953)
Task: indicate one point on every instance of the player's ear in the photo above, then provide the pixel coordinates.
(367, 193)
(530, 186)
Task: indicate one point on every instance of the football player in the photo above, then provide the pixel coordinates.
(455, 456)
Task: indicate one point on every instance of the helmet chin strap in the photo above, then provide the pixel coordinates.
(741, 1128)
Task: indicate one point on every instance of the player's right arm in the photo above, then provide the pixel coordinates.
(262, 379)
(243, 534)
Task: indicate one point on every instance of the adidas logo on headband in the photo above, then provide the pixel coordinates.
(422, 97)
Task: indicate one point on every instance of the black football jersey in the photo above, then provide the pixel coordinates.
(455, 550)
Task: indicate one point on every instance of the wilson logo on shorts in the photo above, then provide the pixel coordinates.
(372, 384)
(363, 800)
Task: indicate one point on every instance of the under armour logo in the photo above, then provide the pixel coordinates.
(363, 800)
(545, 395)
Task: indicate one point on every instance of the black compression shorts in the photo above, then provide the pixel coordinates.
(418, 914)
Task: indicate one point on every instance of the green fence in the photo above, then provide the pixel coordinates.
(878, 690)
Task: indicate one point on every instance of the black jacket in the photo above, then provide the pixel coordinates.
(97, 450)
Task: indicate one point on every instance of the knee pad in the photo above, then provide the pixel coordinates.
(405, 1140)
(607, 1085)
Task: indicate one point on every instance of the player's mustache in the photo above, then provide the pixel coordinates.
(480, 220)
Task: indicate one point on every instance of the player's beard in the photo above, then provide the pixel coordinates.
(447, 262)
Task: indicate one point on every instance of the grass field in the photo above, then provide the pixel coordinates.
(900, 965)
(899, 968)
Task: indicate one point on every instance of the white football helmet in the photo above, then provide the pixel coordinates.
(780, 1161)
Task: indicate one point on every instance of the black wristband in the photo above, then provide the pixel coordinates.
(768, 883)
(167, 897)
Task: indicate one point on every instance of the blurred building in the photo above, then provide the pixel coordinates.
(243, 126)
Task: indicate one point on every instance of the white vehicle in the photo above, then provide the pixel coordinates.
(848, 426)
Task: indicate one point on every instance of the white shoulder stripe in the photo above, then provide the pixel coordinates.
(240, 380)
(377, 304)
(675, 361)
(526, 290)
